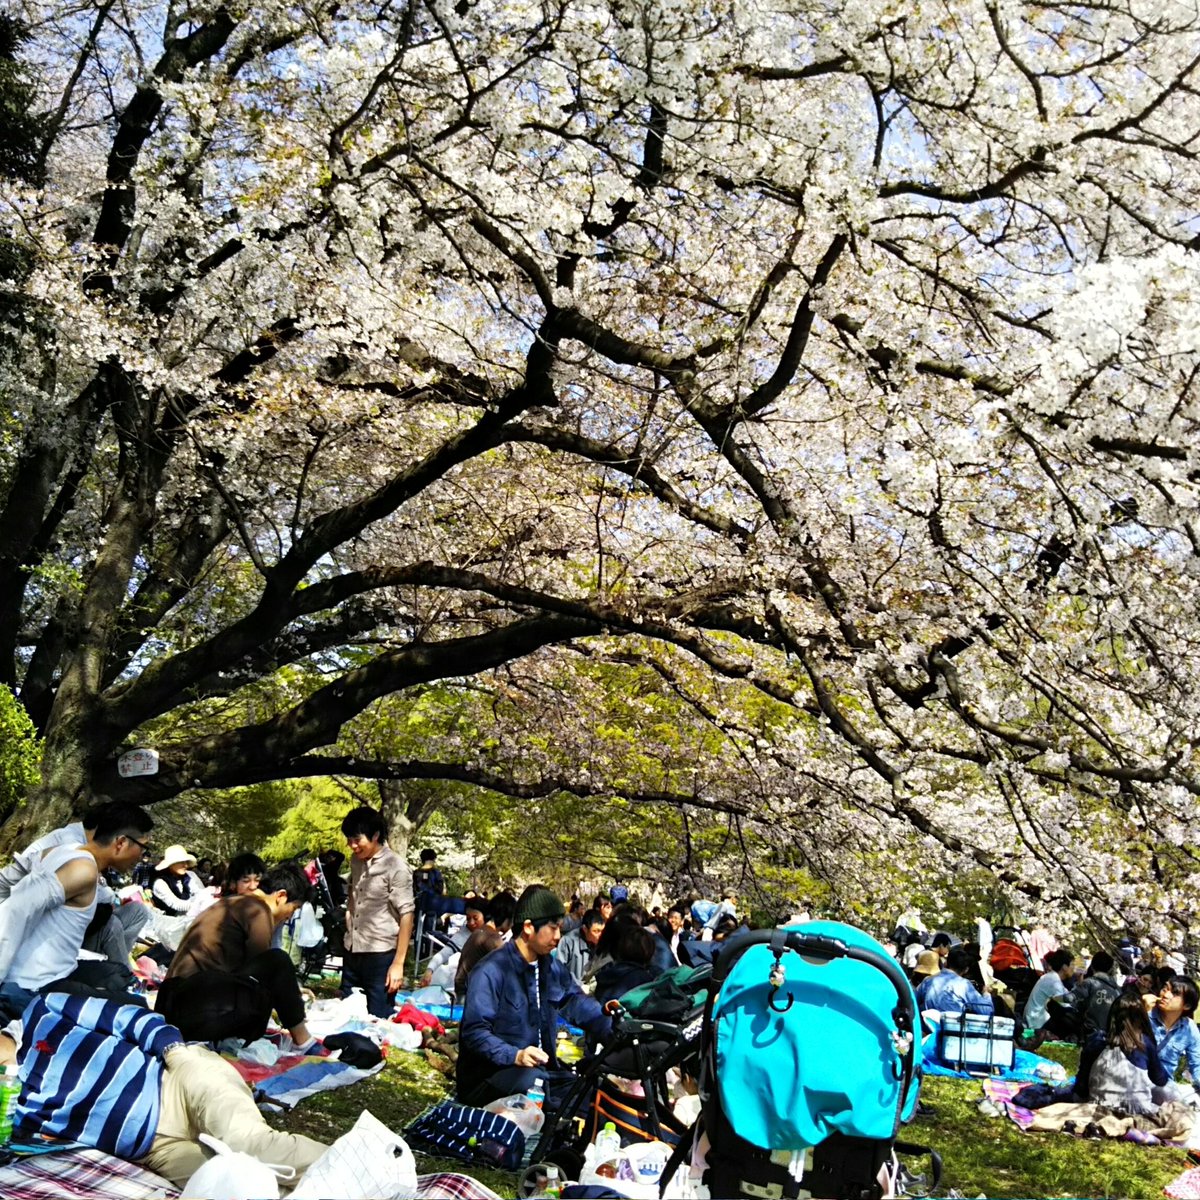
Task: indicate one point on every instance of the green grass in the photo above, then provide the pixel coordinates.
(986, 1156)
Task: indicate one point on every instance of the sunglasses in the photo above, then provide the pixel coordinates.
(145, 848)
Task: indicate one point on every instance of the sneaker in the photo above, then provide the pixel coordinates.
(1094, 1133)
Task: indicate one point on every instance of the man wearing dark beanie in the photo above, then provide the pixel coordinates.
(514, 998)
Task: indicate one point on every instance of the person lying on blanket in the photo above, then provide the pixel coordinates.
(120, 1079)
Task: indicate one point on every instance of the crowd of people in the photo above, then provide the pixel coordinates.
(518, 963)
(1132, 1016)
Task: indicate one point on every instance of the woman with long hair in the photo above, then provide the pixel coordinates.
(1118, 1068)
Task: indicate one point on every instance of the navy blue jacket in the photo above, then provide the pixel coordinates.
(503, 1015)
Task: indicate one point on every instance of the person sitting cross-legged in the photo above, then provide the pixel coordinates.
(1049, 1011)
(442, 967)
(115, 927)
(515, 996)
(577, 948)
(225, 980)
(1177, 1037)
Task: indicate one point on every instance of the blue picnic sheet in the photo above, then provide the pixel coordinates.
(443, 1012)
(1024, 1069)
(308, 1078)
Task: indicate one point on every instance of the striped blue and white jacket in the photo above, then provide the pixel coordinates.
(91, 1072)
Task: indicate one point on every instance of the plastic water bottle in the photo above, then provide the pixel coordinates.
(608, 1151)
(10, 1089)
(553, 1184)
(537, 1093)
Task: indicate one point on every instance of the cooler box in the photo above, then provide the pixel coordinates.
(973, 1042)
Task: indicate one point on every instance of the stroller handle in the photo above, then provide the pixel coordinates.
(821, 946)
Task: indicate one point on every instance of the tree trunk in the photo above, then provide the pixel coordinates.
(401, 826)
(61, 796)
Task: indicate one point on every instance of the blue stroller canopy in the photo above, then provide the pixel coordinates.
(818, 1054)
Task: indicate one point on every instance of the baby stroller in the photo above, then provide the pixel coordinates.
(809, 1055)
(1012, 963)
(657, 1028)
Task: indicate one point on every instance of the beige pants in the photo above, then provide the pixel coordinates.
(202, 1093)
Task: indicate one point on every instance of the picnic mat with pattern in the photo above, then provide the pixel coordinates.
(312, 1075)
(89, 1174)
(94, 1175)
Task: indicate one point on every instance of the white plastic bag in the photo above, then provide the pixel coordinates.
(368, 1163)
(308, 929)
(261, 1052)
(405, 1037)
(231, 1175)
(429, 995)
(332, 1015)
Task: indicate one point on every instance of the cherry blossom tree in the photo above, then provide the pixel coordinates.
(837, 354)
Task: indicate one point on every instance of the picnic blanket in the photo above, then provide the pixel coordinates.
(444, 1012)
(94, 1175)
(1024, 1069)
(1001, 1092)
(311, 1076)
(254, 1073)
(1185, 1186)
(1173, 1122)
(449, 1186)
(88, 1174)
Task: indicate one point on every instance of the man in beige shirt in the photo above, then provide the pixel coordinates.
(379, 914)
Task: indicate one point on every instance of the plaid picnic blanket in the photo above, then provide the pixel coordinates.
(88, 1174)
(94, 1175)
(449, 1186)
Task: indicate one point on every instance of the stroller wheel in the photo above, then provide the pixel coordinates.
(528, 1183)
(569, 1162)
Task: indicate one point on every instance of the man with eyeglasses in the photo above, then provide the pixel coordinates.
(50, 910)
(116, 935)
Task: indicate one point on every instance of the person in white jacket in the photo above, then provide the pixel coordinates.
(116, 938)
(48, 912)
(176, 886)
